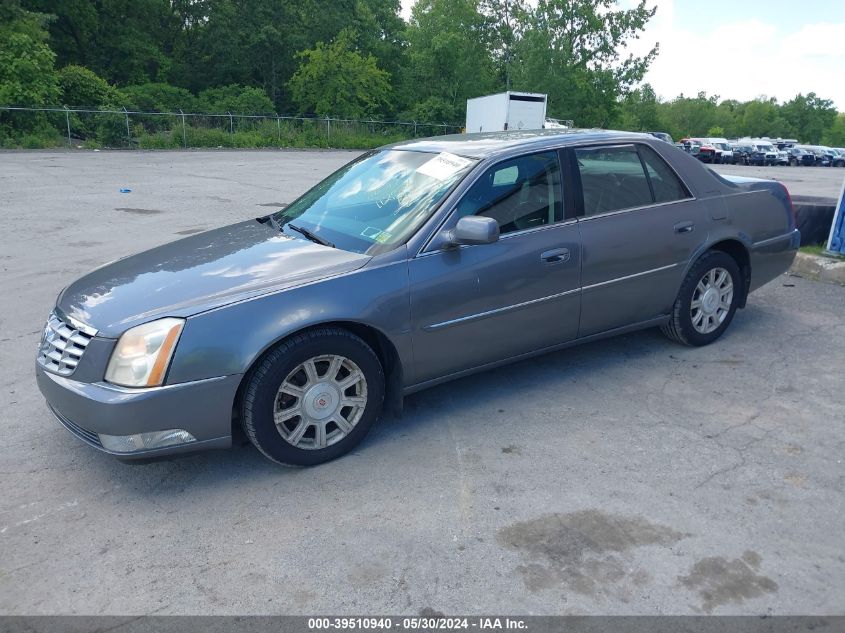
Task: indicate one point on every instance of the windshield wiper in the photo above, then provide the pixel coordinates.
(272, 221)
(311, 236)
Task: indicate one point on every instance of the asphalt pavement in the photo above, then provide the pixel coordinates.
(813, 182)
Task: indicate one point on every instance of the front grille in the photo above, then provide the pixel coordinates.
(62, 345)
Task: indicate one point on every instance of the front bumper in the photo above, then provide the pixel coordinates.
(203, 408)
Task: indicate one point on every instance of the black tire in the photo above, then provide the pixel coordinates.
(262, 387)
(680, 326)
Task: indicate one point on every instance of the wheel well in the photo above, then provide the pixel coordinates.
(740, 255)
(380, 344)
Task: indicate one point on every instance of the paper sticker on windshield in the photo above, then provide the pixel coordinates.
(443, 166)
(371, 232)
(383, 237)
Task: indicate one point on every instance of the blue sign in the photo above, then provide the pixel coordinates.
(836, 241)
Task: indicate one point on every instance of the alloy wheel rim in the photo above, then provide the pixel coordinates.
(711, 300)
(320, 402)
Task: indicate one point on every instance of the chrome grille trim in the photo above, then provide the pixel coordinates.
(62, 344)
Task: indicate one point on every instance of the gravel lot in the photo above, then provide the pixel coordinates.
(626, 476)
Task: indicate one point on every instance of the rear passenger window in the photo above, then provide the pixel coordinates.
(666, 184)
(612, 178)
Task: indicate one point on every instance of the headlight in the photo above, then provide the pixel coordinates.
(142, 354)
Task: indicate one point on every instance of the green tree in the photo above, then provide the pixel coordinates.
(809, 116)
(688, 116)
(727, 114)
(125, 41)
(835, 136)
(235, 99)
(448, 59)
(572, 50)
(27, 73)
(640, 111)
(337, 79)
(82, 87)
(255, 42)
(762, 117)
(506, 20)
(160, 97)
(379, 30)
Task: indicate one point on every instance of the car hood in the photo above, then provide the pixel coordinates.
(199, 273)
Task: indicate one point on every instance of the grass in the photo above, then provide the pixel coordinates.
(819, 250)
(102, 134)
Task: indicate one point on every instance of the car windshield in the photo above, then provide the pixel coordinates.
(375, 203)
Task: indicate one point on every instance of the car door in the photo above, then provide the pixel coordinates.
(639, 226)
(473, 305)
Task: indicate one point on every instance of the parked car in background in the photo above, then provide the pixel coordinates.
(690, 146)
(414, 264)
(663, 136)
(742, 153)
(782, 158)
(556, 124)
(726, 152)
(800, 156)
(822, 159)
(770, 154)
(707, 152)
(750, 153)
(839, 159)
(828, 155)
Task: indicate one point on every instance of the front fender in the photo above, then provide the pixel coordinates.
(228, 340)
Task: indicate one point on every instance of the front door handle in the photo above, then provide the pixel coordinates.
(684, 227)
(555, 255)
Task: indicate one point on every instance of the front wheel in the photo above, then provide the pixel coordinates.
(313, 397)
(707, 300)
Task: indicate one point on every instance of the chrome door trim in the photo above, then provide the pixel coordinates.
(641, 274)
(496, 311)
(772, 240)
(589, 218)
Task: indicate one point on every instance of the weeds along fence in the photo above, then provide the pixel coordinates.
(129, 129)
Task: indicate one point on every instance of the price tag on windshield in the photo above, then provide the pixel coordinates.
(443, 166)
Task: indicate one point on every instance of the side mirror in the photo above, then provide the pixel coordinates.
(474, 229)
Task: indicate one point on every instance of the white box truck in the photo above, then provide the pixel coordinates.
(506, 111)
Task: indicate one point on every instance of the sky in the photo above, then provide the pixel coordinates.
(744, 49)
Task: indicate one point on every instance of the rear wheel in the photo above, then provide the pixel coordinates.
(313, 397)
(707, 300)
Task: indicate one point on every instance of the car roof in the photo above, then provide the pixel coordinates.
(486, 144)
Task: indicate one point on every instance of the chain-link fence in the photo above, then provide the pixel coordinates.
(129, 129)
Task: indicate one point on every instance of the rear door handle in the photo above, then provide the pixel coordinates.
(555, 255)
(684, 227)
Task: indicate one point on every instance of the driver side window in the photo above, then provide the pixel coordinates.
(520, 193)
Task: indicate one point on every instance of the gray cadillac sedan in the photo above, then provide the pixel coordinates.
(414, 264)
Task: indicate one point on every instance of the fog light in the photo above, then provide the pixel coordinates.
(145, 441)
